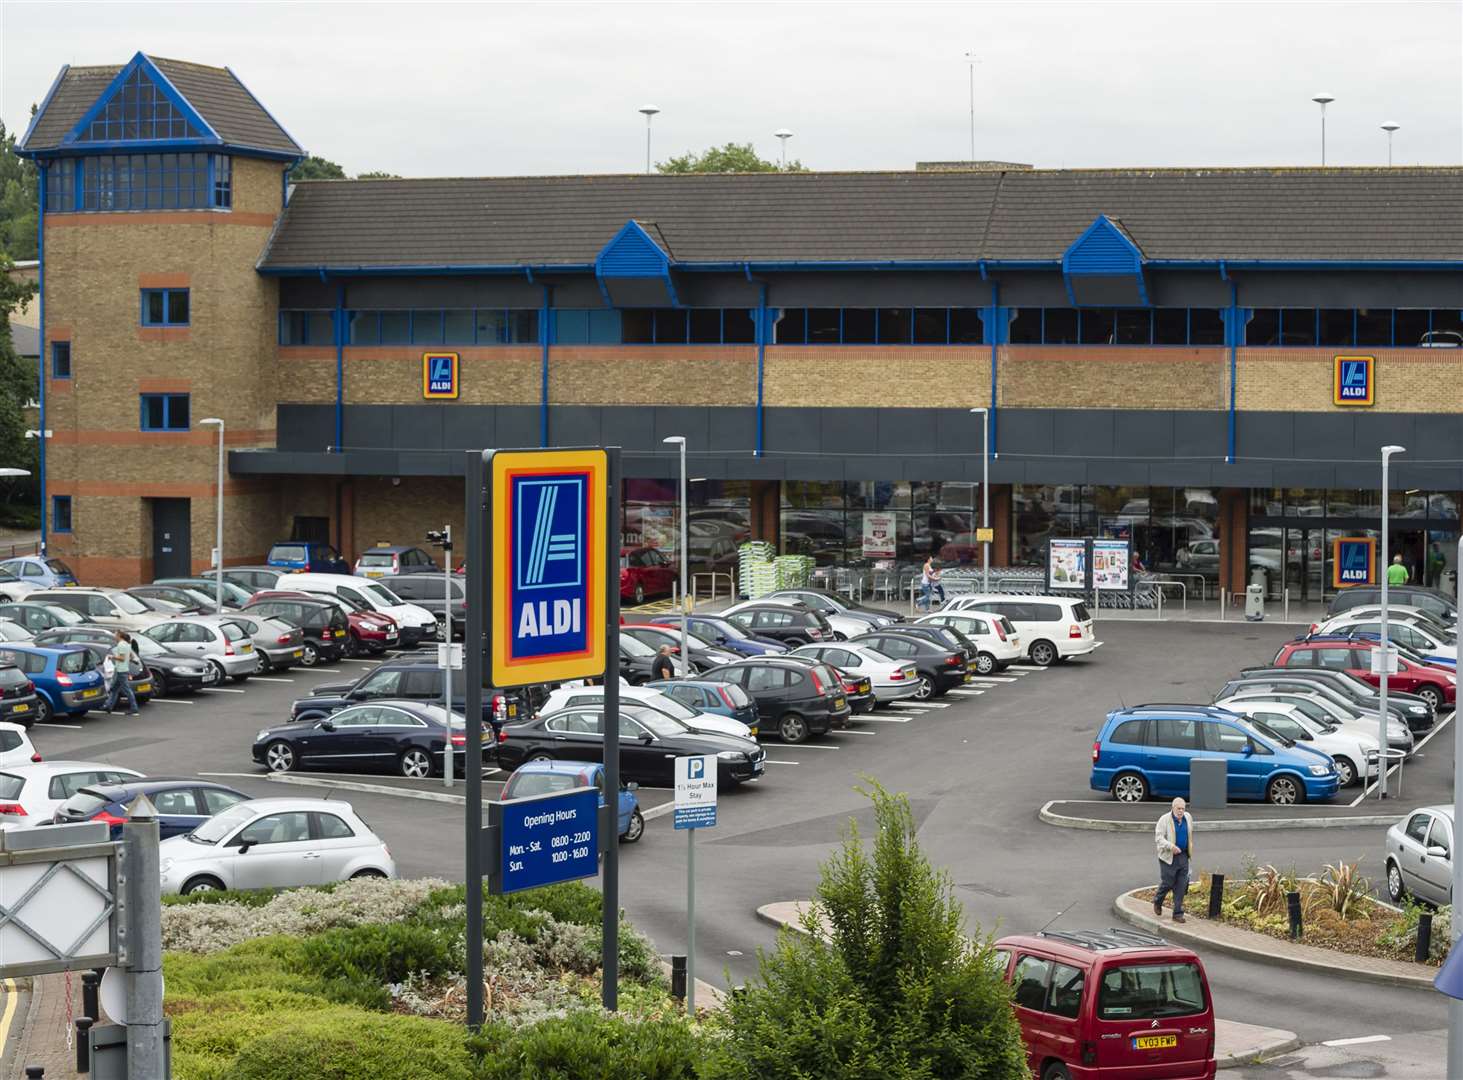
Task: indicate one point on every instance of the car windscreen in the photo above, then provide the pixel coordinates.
(381, 594)
(378, 560)
(58, 567)
(290, 552)
(673, 708)
(523, 785)
(65, 614)
(10, 631)
(659, 723)
(147, 647)
(220, 825)
(634, 646)
(73, 662)
(10, 786)
(732, 630)
(127, 605)
(1150, 991)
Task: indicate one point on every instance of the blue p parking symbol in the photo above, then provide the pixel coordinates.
(695, 769)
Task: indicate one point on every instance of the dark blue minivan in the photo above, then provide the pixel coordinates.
(310, 556)
(1146, 750)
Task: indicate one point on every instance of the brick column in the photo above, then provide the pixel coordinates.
(1002, 523)
(1234, 515)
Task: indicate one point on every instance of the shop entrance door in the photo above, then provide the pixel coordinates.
(1305, 564)
(1412, 545)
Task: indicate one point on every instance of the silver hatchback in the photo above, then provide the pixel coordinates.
(1419, 857)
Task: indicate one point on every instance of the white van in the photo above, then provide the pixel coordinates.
(1050, 627)
(416, 624)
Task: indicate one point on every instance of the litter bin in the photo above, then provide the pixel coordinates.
(1255, 603)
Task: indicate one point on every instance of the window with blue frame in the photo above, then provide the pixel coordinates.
(1116, 326)
(880, 326)
(420, 326)
(299, 327)
(1348, 328)
(108, 182)
(164, 307)
(223, 181)
(138, 110)
(61, 513)
(60, 359)
(165, 412)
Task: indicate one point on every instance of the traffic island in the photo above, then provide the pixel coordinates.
(1109, 815)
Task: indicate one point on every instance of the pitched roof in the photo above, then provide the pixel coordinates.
(1402, 214)
(215, 93)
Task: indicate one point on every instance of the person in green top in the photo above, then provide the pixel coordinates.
(1396, 573)
(1437, 562)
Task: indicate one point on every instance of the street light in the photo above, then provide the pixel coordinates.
(218, 551)
(1323, 99)
(1385, 648)
(783, 134)
(680, 440)
(14, 472)
(648, 111)
(985, 497)
(42, 435)
(1389, 127)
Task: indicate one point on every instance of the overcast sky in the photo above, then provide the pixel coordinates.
(424, 89)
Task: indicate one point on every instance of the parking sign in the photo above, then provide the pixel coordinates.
(696, 792)
(548, 566)
(1353, 561)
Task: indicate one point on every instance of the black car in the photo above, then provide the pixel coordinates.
(401, 680)
(941, 668)
(1417, 714)
(324, 624)
(637, 660)
(1439, 605)
(182, 803)
(390, 735)
(650, 742)
(17, 696)
(425, 591)
(792, 626)
(858, 689)
(794, 700)
(947, 637)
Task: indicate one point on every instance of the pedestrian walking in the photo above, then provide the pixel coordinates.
(1397, 573)
(929, 582)
(1174, 838)
(663, 666)
(121, 660)
(1437, 562)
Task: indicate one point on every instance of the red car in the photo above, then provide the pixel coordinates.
(1109, 1005)
(1353, 655)
(371, 632)
(645, 571)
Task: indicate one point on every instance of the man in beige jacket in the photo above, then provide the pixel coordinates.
(1174, 838)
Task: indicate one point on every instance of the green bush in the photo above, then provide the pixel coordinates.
(378, 952)
(590, 1044)
(348, 1045)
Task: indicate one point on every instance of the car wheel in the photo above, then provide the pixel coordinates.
(369, 872)
(1129, 787)
(1056, 1071)
(1284, 791)
(353, 648)
(202, 884)
(220, 675)
(985, 663)
(44, 712)
(279, 757)
(1043, 653)
(240, 678)
(1395, 889)
(926, 688)
(1432, 696)
(415, 764)
(540, 755)
(1346, 770)
(159, 683)
(639, 593)
(637, 827)
(795, 642)
(792, 728)
(265, 666)
(310, 656)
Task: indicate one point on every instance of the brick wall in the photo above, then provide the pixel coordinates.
(1112, 377)
(662, 375)
(392, 374)
(899, 376)
(1300, 380)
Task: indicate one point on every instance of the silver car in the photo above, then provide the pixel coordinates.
(1419, 857)
(218, 639)
(279, 643)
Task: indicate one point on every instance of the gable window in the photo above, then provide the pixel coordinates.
(164, 307)
(138, 110)
(60, 359)
(61, 513)
(165, 412)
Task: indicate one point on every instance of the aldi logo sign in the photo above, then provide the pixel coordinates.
(1354, 380)
(1353, 561)
(439, 376)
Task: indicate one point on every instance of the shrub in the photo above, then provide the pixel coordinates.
(1344, 888)
(347, 1045)
(378, 953)
(590, 1044)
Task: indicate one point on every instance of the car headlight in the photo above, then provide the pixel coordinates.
(1420, 710)
(372, 627)
(192, 671)
(1320, 770)
(263, 734)
(1452, 679)
(731, 755)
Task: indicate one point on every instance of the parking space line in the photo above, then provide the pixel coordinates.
(967, 692)
(1024, 667)
(68, 727)
(1437, 727)
(850, 732)
(817, 746)
(12, 996)
(1358, 1040)
(248, 775)
(220, 690)
(887, 719)
(997, 678)
(924, 705)
(269, 678)
(169, 701)
(774, 761)
(368, 663)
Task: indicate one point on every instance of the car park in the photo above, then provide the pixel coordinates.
(792, 626)
(946, 637)
(1439, 605)
(1052, 627)
(307, 555)
(390, 735)
(13, 631)
(36, 617)
(102, 607)
(216, 639)
(723, 633)
(66, 678)
(1417, 714)
(274, 843)
(832, 603)
(12, 588)
(425, 591)
(654, 697)
(938, 668)
(162, 607)
(890, 680)
(1146, 750)
(1419, 856)
(644, 572)
(235, 596)
(415, 624)
(793, 700)
(280, 645)
(551, 777)
(1353, 753)
(182, 803)
(19, 703)
(30, 793)
(709, 696)
(323, 626)
(1396, 613)
(138, 677)
(654, 635)
(650, 742)
(254, 578)
(394, 560)
(997, 643)
(1109, 1005)
(843, 626)
(183, 600)
(48, 573)
(168, 672)
(1353, 656)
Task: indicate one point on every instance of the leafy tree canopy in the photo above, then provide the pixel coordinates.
(731, 158)
(19, 209)
(317, 168)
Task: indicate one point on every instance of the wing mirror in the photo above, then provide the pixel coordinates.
(632, 786)
(244, 846)
(326, 725)
(1438, 852)
(647, 738)
(1249, 749)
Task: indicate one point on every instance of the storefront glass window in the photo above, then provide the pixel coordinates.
(719, 518)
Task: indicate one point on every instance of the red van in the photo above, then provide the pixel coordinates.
(1110, 1004)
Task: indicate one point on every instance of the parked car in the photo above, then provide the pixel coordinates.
(13, 631)
(235, 596)
(637, 660)
(858, 690)
(703, 656)
(395, 559)
(946, 637)
(368, 633)
(1146, 750)
(710, 696)
(12, 588)
(168, 672)
(49, 573)
(655, 697)
(793, 700)
(138, 677)
(1053, 627)
(279, 644)
(792, 626)
(938, 668)
(1419, 858)
(307, 555)
(843, 626)
(254, 578)
(650, 742)
(182, 803)
(37, 617)
(1353, 656)
(161, 607)
(1438, 604)
(217, 639)
(723, 633)
(645, 571)
(102, 607)
(15, 747)
(998, 646)
(1353, 753)
(66, 678)
(1417, 714)
(891, 680)
(324, 626)
(181, 600)
(293, 842)
(31, 793)
(400, 680)
(1432, 645)
(1314, 703)
(389, 735)
(833, 603)
(1109, 1005)
(425, 591)
(551, 777)
(415, 624)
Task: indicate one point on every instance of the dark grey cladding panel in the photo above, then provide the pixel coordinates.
(1375, 430)
(1025, 431)
(1121, 472)
(638, 292)
(764, 468)
(1104, 291)
(518, 427)
(374, 462)
(575, 292)
(1084, 433)
(423, 464)
(576, 425)
(470, 427)
(1304, 476)
(791, 430)
(1440, 436)
(732, 429)
(1146, 435)
(1064, 471)
(717, 290)
(440, 292)
(1360, 289)
(845, 431)
(906, 431)
(630, 428)
(1318, 436)
(420, 427)
(692, 422)
(815, 468)
(1178, 474)
(647, 465)
(847, 289)
(1187, 289)
(1032, 289)
(304, 427)
(307, 292)
(876, 468)
(1265, 435)
(928, 468)
(367, 427)
(957, 431)
(1199, 435)
(1241, 474)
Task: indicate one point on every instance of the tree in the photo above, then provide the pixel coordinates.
(887, 988)
(19, 206)
(377, 176)
(317, 168)
(17, 386)
(731, 158)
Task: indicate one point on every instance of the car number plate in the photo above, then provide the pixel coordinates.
(91, 693)
(839, 703)
(246, 647)
(144, 688)
(1155, 1042)
(373, 573)
(757, 766)
(21, 708)
(340, 633)
(298, 653)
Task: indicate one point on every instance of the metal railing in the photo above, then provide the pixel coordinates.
(1159, 583)
(1203, 589)
(731, 585)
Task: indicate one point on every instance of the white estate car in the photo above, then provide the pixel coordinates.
(1352, 751)
(1051, 627)
(999, 643)
(274, 843)
(890, 679)
(1422, 637)
(31, 793)
(565, 697)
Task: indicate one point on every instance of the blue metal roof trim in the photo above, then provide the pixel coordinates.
(632, 254)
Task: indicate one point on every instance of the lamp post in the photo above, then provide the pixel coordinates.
(680, 440)
(648, 111)
(1323, 99)
(218, 551)
(783, 134)
(45, 434)
(1455, 1007)
(970, 61)
(1385, 648)
(985, 496)
(1390, 126)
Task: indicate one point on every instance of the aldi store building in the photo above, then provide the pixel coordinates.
(1205, 361)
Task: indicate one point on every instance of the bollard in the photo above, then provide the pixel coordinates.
(83, 1044)
(1216, 895)
(678, 978)
(91, 982)
(1424, 937)
(1292, 903)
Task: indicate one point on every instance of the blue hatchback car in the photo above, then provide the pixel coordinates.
(1145, 751)
(308, 555)
(39, 570)
(705, 695)
(550, 777)
(182, 803)
(67, 678)
(724, 634)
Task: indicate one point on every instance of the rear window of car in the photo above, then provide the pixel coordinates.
(526, 784)
(73, 662)
(233, 632)
(58, 567)
(11, 676)
(10, 786)
(378, 560)
(292, 552)
(1080, 612)
(1150, 991)
(737, 694)
(84, 804)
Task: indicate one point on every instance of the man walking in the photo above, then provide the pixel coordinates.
(1173, 836)
(1397, 573)
(121, 658)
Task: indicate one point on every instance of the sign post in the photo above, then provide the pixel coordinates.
(695, 809)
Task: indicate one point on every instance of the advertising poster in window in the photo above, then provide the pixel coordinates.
(659, 530)
(1066, 564)
(879, 538)
(1111, 561)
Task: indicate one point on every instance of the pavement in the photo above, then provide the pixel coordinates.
(1109, 815)
(39, 1031)
(1235, 1044)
